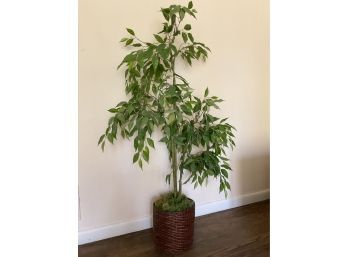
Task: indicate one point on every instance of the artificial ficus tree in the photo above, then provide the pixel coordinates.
(161, 98)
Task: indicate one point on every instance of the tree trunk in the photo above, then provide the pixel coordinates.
(175, 168)
(180, 181)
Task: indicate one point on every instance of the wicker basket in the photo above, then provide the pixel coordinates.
(173, 231)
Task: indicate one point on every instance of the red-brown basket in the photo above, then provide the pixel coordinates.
(173, 231)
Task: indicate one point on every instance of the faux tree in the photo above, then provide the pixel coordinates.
(161, 98)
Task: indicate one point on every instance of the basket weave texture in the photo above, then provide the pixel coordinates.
(173, 231)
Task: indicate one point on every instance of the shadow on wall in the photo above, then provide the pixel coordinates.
(251, 174)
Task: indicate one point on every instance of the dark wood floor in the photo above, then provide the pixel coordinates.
(239, 232)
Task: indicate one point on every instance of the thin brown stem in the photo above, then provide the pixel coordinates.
(174, 167)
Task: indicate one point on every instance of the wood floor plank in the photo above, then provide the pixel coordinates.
(239, 232)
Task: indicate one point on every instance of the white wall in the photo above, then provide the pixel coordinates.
(113, 190)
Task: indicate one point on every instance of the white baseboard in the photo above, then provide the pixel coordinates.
(97, 234)
(232, 203)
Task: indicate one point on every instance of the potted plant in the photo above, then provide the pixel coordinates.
(162, 99)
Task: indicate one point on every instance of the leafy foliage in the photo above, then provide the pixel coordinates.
(161, 98)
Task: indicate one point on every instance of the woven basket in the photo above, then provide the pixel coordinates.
(173, 231)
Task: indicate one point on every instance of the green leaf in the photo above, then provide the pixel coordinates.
(222, 187)
(179, 116)
(226, 167)
(182, 14)
(225, 173)
(188, 59)
(120, 117)
(223, 120)
(129, 41)
(184, 36)
(144, 121)
(210, 102)
(171, 118)
(140, 164)
(112, 110)
(163, 52)
(136, 142)
(146, 154)
(192, 14)
(124, 39)
(191, 37)
(200, 180)
(165, 13)
(186, 109)
(135, 157)
(210, 173)
(173, 48)
(227, 185)
(187, 27)
(130, 31)
(206, 92)
(150, 142)
(154, 61)
(140, 144)
(158, 38)
(114, 130)
(101, 139)
(148, 53)
(130, 108)
(130, 57)
(102, 146)
(197, 107)
(110, 138)
(167, 64)
(163, 140)
(190, 5)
